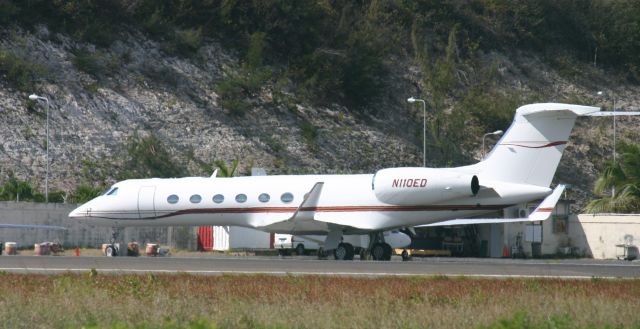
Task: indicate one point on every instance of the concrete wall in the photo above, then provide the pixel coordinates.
(80, 234)
(598, 235)
(587, 235)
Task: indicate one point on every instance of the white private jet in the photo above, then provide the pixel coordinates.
(519, 169)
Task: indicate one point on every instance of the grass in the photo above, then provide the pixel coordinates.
(95, 300)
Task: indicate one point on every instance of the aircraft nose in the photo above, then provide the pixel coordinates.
(79, 213)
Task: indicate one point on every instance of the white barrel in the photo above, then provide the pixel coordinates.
(11, 248)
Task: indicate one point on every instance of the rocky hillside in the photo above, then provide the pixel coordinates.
(216, 101)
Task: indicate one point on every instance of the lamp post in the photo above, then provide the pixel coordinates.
(497, 132)
(424, 127)
(600, 93)
(35, 97)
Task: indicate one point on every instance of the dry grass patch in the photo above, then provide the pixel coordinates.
(262, 301)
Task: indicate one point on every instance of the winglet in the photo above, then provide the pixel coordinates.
(215, 174)
(543, 212)
(311, 200)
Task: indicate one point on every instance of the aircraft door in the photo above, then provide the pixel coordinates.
(146, 204)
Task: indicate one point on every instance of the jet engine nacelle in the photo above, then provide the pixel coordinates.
(419, 186)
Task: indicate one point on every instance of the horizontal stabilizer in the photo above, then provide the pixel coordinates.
(611, 113)
(39, 227)
(543, 212)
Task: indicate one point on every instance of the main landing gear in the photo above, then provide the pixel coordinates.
(381, 251)
(377, 249)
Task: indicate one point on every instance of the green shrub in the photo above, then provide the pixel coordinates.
(236, 90)
(20, 72)
(309, 135)
(257, 43)
(148, 157)
(184, 42)
(91, 63)
(84, 193)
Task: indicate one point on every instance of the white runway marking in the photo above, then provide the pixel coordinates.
(363, 274)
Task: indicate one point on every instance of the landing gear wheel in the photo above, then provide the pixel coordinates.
(377, 252)
(110, 251)
(300, 249)
(381, 251)
(387, 251)
(344, 252)
(322, 254)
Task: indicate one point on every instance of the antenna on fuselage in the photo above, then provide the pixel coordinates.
(215, 173)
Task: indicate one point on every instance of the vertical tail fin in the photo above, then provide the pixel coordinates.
(530, 150)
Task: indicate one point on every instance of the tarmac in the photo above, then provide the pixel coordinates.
(309, 265)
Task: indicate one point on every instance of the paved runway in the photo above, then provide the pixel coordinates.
(216, 265)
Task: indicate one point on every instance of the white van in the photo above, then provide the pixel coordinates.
(286, 243)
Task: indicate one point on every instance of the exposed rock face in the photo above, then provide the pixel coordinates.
(135, 87)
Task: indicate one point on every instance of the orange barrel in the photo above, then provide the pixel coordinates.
(152, 249)
(11, 248)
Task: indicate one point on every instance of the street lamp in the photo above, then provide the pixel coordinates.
(497, 132)
(35, 97)
(600, 93)
(424, 127)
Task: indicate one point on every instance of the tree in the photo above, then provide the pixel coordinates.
(16, 190)
(85, 193)
(224, 170)
(624, 176)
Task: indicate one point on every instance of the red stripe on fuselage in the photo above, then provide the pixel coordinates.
(536, 147)
(258, 210)
(262, 210)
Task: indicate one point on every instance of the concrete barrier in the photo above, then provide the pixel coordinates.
(80, 234)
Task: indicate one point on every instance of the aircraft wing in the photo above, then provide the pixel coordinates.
(542, 212)
(41, 227)
(303, 218)
(611, 113)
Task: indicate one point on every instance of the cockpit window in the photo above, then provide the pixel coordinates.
(114, 191)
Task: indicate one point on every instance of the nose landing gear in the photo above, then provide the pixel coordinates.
(112, 249)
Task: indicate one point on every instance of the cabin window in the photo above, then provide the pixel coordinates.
(195, 198)
(264, 197)
(286, 197)
(113, 192)
(240, 198)
(173, 199)
(218, 198)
